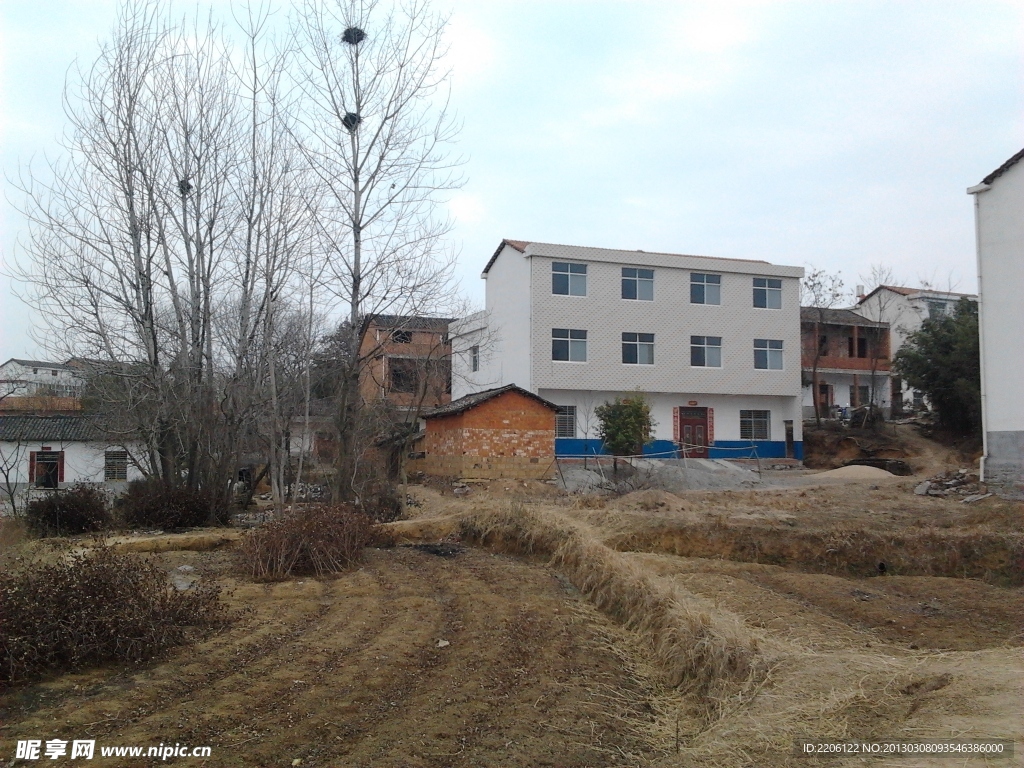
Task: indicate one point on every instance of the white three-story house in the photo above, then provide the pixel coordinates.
(712, 344)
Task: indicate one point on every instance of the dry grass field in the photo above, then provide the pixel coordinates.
(700, 629)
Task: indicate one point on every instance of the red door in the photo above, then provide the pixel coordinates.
(692, 432)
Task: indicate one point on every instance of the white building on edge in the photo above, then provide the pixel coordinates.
(999, 228)
(713, 344)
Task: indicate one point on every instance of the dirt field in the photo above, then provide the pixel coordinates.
(699, 629)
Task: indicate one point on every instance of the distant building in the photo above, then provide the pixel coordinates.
(46, 452)
(407, 361)
(905, 310)
(38, 378)
(713, 344)
(999, 225)
(852, 357)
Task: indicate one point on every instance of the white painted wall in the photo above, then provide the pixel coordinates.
(505, 344)
(83, 462)
(726, 407)
(1000, 235)
(19, 380)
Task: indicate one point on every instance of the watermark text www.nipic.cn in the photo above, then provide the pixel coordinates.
(81, 749)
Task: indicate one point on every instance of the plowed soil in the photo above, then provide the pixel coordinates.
(455, 655)
(412, 660)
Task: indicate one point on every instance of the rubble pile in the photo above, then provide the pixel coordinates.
(955, 482)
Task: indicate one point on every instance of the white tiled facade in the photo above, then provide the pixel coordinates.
(522, 311)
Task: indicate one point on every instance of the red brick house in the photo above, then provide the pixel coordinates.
(503, 432)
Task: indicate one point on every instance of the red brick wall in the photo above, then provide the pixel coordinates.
(508, 436)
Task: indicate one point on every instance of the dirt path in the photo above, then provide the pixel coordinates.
(350, 672)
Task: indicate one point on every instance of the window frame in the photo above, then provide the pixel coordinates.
(751, 420)
(767, 289)
(637, 281)
(573, 344)
(768, 349)
(703, 347)
(401, 336)
(575, 274)
(563, 413)
(702, 286)
(474, 358)
(639, 346)
(120, 468)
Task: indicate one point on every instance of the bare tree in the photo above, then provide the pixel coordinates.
(881, 309)
(821, 291)
(376, 130)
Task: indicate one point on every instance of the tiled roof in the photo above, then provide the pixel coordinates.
(1003, 168)
(837, 317)
(582, 251)
(410, 322)
(902, 291)
(40, 364)
(57, 429)
(471, 401)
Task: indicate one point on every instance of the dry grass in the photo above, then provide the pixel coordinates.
(695, 645)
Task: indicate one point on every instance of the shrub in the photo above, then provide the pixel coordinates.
(79, 509)
(151, 503)
(95, 608)
(314, 540)
(625, 425)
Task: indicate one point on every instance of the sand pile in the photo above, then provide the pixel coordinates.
(856, 472)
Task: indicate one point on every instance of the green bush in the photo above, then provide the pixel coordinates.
(152, 503)
(625, 425)
(314, 540)
(79, 509)
(92, 609)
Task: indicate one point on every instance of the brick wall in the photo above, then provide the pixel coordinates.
(508, 436)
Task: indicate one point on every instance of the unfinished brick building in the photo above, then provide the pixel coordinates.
(505, 432)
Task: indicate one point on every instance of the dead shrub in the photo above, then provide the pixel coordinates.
(95, 608)
(81, 508)
(313, 540)
(152, 503)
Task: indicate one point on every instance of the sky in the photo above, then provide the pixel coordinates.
(833, 135)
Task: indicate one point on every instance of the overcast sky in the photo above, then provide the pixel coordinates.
(832, 134)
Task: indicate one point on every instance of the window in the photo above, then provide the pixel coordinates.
(638, 284)
(569, 344)
(706, 351)
(705, 289)
(859, 395)
(767, 293)
(115, 465)
(53, 373)
(638, 348)
(46, 468)
(401, 337)
(768, 354)
(568, 279)
(403, 374)
(474, 358)
(565, 421)
(936, 309)
(823, 345)
(755, 425)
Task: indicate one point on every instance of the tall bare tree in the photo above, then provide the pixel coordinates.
(376, 130)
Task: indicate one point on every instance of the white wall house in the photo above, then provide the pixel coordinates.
(905, 310)
(999, 227)
(28, 378)
(40, 452)
(714, 344)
